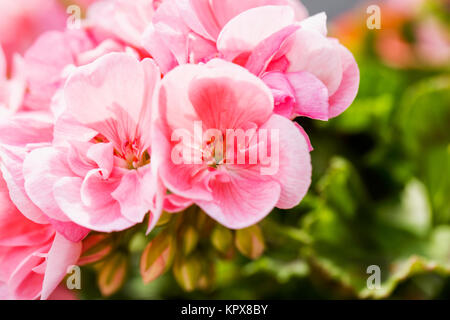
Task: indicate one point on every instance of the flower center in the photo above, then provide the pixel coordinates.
(133, 156)
(130, 153)
(213, 152)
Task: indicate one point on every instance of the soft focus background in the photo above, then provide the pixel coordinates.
(333, 8)
(381, 179)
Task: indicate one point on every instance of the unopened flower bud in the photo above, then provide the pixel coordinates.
(112, 274)
(189, 240)
(95, 248)
(157, 257)
(250, 242)
(164, 219)
(187, 272)
(222, 239)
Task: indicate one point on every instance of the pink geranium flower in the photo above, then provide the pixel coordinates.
(225, 99)
(33, 257)
(98, 173)
(186, 31)
(47, 70)
(310, 75)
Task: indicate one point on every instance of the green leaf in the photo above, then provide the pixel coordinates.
(281, 270)
(412, 213)
(341, 187)
(365, 114)
(424, 114)
(342, 252)
(436, 175)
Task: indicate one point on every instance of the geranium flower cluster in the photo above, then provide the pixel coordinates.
(157, 106)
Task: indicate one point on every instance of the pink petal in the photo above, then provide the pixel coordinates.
(105, 47)
(294, 170)
(149, 110)
(96, 190)
(244, 32)
(316, 54)
(243, 201)
(24, 283)
(116, 79)
(68, 129)
(26, 128)
(4, 294)
(44, 68)
(12, 169)
(42, 168)
(70, 230)
(172, 31)
(317, 22)
(348, 89)
(225, 10)
(61, 293)
(63, 254)
(216, 89)
(283, 93)
(154, 44)
(78, 162)
(30, 130)
(124, 19)
(103, 155)
(311, 95)
(265, 51)
(157, 199)
(12, 257)
(199, 16)
(134, 192)
(305, 135)
(174, 203)
(175, 109)
(105, 219)
(15, 229)
(200, 49)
